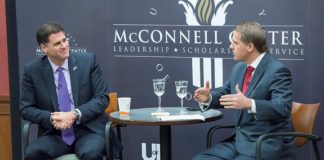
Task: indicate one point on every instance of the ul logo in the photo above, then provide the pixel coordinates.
(155, 152)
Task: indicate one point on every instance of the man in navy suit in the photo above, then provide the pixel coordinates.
(263, 107)
(87, 96)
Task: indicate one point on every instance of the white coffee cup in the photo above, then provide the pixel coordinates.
(124, 105)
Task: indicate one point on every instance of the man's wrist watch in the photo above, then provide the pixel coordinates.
(76, 113)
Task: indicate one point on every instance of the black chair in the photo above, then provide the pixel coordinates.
(113, 107)
(110, 154)
(303, 118)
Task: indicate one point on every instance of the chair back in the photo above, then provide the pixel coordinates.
(112, 106)
(303, 118)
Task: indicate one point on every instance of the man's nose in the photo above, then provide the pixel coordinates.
(231, 47)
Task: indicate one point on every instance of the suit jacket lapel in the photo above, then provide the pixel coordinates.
(48, 77)
(240, 83)
(241, 78)
(257, 74)
(255, 79)
(74, 77)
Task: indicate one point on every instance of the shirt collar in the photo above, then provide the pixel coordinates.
(65, 65)
(256, 62)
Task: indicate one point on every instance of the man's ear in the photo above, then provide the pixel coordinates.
(43, 47)
(250, 47)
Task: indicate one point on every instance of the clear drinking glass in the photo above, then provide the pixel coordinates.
(159, 87)
(182, 91)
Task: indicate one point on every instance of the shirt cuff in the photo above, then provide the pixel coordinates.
(205, 105)
(253, 107)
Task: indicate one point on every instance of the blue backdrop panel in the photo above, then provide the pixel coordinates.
(137, 41)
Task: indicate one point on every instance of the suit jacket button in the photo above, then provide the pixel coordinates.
(238, 127)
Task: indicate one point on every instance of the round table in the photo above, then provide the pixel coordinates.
(142, 116)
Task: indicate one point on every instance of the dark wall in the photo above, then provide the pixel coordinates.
(316, 75)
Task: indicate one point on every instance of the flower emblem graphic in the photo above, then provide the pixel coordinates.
(205, 12)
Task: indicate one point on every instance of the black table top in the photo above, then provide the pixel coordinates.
(142, 116)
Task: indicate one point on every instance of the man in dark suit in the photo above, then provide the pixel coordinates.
(78, 129)
(262, 103)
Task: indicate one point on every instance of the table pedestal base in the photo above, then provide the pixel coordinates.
(165, 142)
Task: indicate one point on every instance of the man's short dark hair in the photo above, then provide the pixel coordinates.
(45, 30)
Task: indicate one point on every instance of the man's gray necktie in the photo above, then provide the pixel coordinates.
(64, 105)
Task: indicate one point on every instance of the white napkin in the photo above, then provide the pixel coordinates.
(182, 117)
(160, 114)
